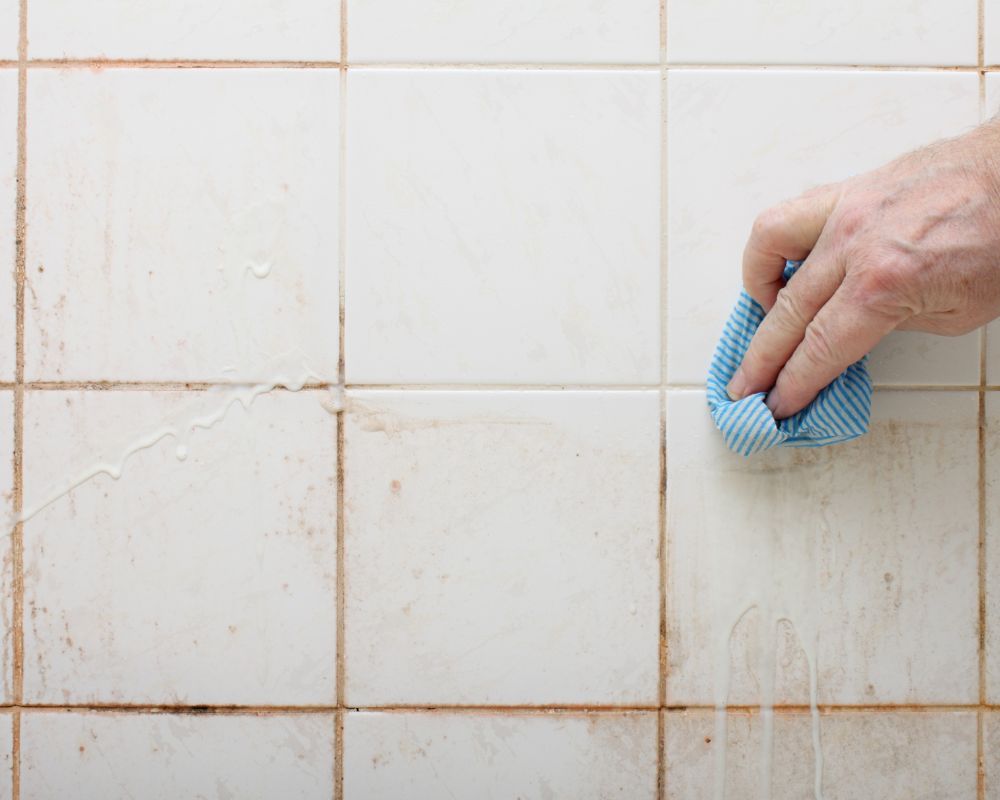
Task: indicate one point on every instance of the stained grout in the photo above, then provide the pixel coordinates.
(981, 462)
(20, 255)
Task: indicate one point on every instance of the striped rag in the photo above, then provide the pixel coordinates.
(840, 412)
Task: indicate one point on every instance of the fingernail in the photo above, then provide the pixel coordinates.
(737, 387)
(773, 402)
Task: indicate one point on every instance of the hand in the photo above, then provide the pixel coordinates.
(914, 245)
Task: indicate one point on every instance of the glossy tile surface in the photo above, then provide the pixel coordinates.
(125, 283)
(505, 31)
(503, 227)
(735, 149)
(868, 550)
(208, 580)
(466, 513)
(118, 756)
(427, 756)
(293, 30)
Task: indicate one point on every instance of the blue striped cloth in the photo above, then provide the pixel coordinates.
(840, 412)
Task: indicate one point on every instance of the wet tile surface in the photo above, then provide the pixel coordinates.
(228, 265)
(210, 580)
(467, 513)
(867, 551)
(166, 756)
(427, 756)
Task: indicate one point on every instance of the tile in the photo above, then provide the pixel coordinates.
(992, 562)
(208, 580)
(991, 32)
(115, 756)
(6, 755)
(843, 124)
(547, 31)
(430, 756)
(867, 549)
(6, 578)
(501, 548)
(888, 755)
(229, 265)
(503, 227)
(991, 752)
(296, 30)
(10, 25)
(902, 32)
(8, 194)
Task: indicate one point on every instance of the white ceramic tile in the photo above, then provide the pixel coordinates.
(741, 142)
(166, 756)
(502, 547)
(294, 30)
(9, 29)
(430, 756)
(888, 755)
(154, 196)
(207, 580)
(8, 192)
(870, 546)
(932, 32)
(545, 31)
(503, 227)
(6, 756)
(991, 752)
(6, 508)
(992, 561)
(991, 31)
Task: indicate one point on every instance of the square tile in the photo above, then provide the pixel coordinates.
(204, 580)
(868, 549)
(8, 199)
(229, 265)
(735, 149)
(545, 31)
(503, 227)
(992, 561)
(991, 31)
(502, 547)
(296, 30)
(430, 756)
(10, 25)
(115, 756)
(888, 755)
(903, 32)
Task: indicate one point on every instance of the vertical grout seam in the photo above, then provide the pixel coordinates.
(981, 467)
(338, 752)
(17, 535)
(661, 767)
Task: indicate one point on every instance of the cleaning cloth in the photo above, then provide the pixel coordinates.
(840, 412)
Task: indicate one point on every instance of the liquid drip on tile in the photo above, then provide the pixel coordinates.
(765, 573)
(289, 371)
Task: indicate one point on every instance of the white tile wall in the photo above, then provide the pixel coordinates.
(6, 575)
(742, 141)
(931, 32)
(991, 31)
(8, 171)
(544, 31)
(992, 561)
(889, 755)
(468, 512)
(503, 227)
(159, 192)
(991, 752)
(873, 543)
(428, 756)
(296, 30)
(9, 29)
(116, 756)
(204, 581)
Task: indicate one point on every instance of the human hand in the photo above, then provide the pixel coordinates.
(913, 245)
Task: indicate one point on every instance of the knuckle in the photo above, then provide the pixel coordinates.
(819, 349)
(788, 312)
(770, 223)
(852, 217)
(883, 285)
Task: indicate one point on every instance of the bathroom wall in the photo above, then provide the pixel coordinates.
(351, 366)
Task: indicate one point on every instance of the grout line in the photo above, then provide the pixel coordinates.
(981, 464)
(341, 570)
(440, 708)
(155, 386)
(150, 63)
(17, 534)
(662, 649)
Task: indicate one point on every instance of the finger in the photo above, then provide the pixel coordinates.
(842, 332)
(787, 232)
(784, 326)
